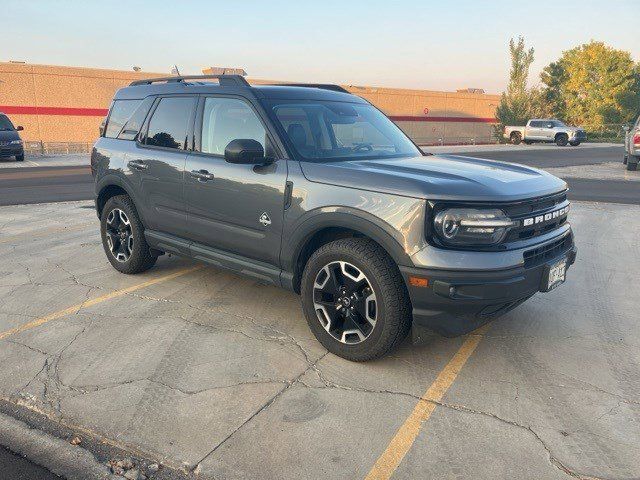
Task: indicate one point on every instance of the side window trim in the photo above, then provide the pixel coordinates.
(144, 130)
(199, 120)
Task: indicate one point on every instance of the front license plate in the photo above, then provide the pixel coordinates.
(557, 273)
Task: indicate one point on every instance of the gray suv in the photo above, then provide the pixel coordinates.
(315, 190)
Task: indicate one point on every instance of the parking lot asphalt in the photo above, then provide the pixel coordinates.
(15, 467)
(540, 155)
(216, 376)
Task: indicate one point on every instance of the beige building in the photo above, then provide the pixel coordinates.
(67, 104)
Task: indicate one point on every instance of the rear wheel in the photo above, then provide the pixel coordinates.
(123, 236)
(355, 300)
(562, 139)
(516, 138)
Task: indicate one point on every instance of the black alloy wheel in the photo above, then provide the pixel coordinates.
(344, 302)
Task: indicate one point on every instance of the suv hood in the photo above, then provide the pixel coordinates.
(8, 135)
(438, 177)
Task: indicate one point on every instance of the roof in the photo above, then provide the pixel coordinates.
(234, 84)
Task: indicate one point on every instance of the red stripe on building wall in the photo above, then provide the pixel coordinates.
(65, 111)
(102, 112)
(405, 118)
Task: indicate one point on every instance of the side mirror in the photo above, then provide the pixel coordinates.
(19, 128)
(245, 151)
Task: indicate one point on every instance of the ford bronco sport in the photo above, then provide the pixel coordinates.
(313, 189)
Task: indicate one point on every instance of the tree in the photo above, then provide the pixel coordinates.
(593, 84)
(518, 104)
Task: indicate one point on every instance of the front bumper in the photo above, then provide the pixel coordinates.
(11, 151)
(457, 301)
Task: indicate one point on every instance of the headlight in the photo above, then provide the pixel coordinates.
(470, 226)
(16, 142)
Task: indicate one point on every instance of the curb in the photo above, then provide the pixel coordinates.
(56, 455)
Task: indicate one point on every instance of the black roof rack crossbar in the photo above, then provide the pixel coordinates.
(323, 86)
(228, 80)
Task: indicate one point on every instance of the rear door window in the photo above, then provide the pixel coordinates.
(169, 123)
(121, 111)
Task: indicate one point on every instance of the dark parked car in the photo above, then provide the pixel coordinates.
(10, 141)
(315, 190)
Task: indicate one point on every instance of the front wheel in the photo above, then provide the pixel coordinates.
(355, 300)
(562, 140)
(123, 237)
(574, 144)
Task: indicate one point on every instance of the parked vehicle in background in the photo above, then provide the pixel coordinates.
(10, 141)
(316, 190)
(547, 130)
(632, 146)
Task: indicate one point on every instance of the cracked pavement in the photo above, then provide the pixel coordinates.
(217, 375)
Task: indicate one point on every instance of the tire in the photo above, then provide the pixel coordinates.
(20, 158)
(382, 295)
(632, 166)
(516, 138)
(562, 139)
(574, 144)
(132, 255)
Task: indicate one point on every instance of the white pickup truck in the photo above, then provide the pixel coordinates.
(545, 130)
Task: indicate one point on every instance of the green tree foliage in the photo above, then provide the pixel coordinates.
(519, 103)
(592, 84)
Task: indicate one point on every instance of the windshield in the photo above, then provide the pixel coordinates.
(5, 123)
(324, 131)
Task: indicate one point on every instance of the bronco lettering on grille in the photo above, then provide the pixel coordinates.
(546, 217)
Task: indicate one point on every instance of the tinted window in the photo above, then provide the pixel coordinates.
(133, 125)
(536, 124)
(227, 119)
(324, 131)
(121, 111)
(169, 124)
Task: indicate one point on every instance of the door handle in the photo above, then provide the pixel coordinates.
(138, 165)
(202, 175)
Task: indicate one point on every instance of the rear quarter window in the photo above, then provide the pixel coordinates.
(121, 111)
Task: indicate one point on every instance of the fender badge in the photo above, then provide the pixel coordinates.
(265, 219)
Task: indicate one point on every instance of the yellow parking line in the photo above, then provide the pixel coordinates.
(408, 432)
(94, 301)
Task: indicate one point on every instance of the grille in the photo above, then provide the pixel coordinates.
(537, 256)
(533, 208)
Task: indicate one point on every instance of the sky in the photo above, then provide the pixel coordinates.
(435, 45)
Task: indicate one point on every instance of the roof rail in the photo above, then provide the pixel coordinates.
(228, 80)
(323, 86)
